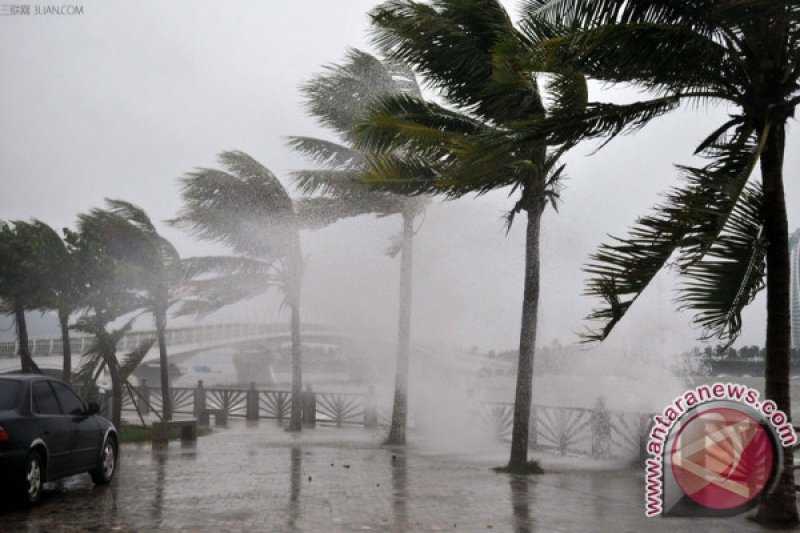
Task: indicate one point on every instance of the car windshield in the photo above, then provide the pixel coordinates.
(9, 392)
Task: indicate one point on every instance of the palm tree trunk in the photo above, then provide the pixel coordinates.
(66, 349)
(397, 432)
(296, 419)
(166, 397)
(527, 343)
(780, 507)
(24, 350)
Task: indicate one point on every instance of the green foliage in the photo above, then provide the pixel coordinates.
(151, 262)
(246, 208)
(113, 291)
(339, 98)
(487, 68)
(743, 53)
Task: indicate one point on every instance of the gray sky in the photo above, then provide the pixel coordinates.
(122, 100)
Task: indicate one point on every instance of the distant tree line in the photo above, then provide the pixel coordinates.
(720, 352)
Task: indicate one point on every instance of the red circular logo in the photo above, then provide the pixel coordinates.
(723, 458)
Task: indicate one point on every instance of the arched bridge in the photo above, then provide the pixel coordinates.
(188, 341)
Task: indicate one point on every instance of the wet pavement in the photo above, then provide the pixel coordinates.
(259, 478)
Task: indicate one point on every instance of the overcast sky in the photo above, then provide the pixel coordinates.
(121, 101)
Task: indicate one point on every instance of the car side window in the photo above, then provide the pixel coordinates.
(44, 399)
(70, 403)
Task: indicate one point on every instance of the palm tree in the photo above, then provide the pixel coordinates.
(462, 47)
(112, 292)
(62, 285)
(23, 249)
(730, 234)
(339, 98)
(131, 237)
(246, 208)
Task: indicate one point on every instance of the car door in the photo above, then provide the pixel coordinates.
(52, 427)
(85, 429)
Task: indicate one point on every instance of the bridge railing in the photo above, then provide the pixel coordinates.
(175, 336)
(596, 432)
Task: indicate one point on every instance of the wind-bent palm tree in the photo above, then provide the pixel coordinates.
(112, 292)
(22, 270)
(339, 98)
(131, 237)
(726, 231)
(462, 47)
(62, 285)
(246, 208)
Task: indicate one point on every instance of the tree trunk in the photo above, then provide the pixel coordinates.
(527, 343)
(66, 349)
(116, 390)
(779, 507)
(296, 419)
(23, 350)
(397, 432)
(166, 397)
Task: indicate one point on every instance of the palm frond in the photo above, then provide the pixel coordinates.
(330, 181)
(596, 120)
(245, 207)
(731, 273)
(690, 221)
(207, 295)
(594, 13)
(403, 122)
(660, 58)
(327, 153)
(321, 211)
(567, 93)
(451, 44)
(339, 96)
(194, 267)
(409, 176)
(132, 360)
(132, 213)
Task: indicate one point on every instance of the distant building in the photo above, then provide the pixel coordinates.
(794, 254)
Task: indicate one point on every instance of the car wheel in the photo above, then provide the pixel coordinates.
(34, 479)
(107, 464)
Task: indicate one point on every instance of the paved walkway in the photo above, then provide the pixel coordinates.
(260, 478)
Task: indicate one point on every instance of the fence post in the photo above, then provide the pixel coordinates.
(370, 409)
(199, 400)
(252, 402)
(144, 393)
(601, 430)
(533, 428)
(309, 401)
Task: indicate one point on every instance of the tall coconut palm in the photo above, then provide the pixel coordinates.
(461, 47)
(153, 262)
(246, 208)
(339, 98)
(730, 235)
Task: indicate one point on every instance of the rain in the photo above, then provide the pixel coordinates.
(379, 266)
